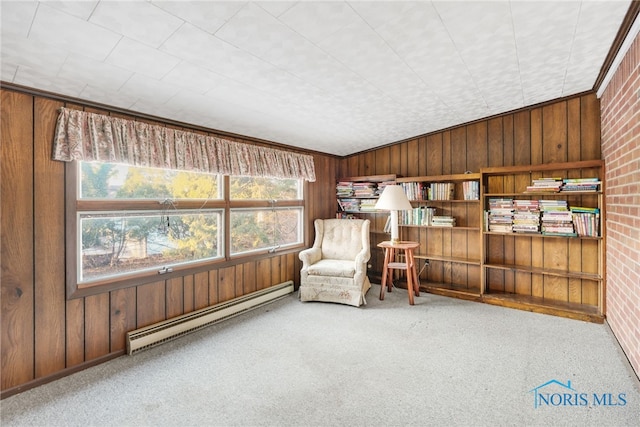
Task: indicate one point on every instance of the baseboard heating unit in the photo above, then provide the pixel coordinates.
(161, 332)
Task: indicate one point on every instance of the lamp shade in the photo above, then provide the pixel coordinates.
(393, 198)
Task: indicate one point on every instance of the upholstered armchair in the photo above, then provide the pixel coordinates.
(335, 268)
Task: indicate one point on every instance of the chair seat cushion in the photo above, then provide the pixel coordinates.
(333, 268)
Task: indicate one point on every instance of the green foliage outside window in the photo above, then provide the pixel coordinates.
(121, 241)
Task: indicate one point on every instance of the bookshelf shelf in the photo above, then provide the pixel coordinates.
(377, 218)
(555, 274)
(450, 255)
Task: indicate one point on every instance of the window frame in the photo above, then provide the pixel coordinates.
(74, 206)
(270, 249)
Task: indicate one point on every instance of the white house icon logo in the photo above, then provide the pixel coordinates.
(555, 393)
(565, 397)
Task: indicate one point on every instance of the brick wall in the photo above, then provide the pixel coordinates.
(620, 110)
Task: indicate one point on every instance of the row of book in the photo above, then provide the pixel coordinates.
(357, 205)
(548, 217)
(440, 190)
(471, 190)
(425, 216)
(344, 189)
(356, 189)
(585, 220)
(360, 188)
(556, 185)
(417, 216)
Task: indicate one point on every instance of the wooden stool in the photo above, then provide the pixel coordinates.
(409, 266)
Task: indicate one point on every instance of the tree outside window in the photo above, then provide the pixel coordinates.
(132, 220)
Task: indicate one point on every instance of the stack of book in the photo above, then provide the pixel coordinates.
(349, 205)
(443, 221)
(382, 185)
(344, 189)
(500, 215)
(441, 191)
(368, 205)
(364, 189)
(556, 218)
(545, 185)
(586, 221)
(344, 215)
(580, 184)
(526, 216)
(471, 190)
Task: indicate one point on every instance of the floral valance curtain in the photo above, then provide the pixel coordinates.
(95, 137)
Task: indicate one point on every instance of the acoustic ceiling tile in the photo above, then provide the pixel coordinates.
(254, 30)
(154, 91)
(79, 9)
(42, 79)
(317, 20)
(366, 54)
(190, 43)
(28, 52)
(197, 104)
(52, 26)
(8, 71)
(126, 18)
(16, 18)
(276, 8)
(108, 97)
(303, 59)
(99, 74)
(419, 32)
(195, 78)
(378, 13)
(206, 15)
(140, 58)
(199, 47)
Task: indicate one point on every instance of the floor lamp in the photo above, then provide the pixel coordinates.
(393, 200)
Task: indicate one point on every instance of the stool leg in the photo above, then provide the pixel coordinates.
(416, 279)
(385, 271)
(409, 278)
(392, 257)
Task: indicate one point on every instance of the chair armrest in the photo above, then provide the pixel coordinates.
(361, 259)
(310, 256)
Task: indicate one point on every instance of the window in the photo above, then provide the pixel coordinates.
(253, 188)
(100, 181)
(131, 221)
(117, 243)
(272, 227)
(255, 229)
(128, 222)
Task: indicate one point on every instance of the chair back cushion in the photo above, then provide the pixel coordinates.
(342, 238)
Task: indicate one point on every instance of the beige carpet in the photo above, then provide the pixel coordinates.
(441, 362)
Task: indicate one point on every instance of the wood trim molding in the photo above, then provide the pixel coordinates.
(623, 31)
(59, 374)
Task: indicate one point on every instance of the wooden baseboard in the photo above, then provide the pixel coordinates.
(539, 305)
(59, 374)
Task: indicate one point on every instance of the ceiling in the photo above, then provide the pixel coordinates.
(332, 76)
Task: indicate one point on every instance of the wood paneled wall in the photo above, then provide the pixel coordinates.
(44, 335)
(564, 130)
